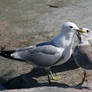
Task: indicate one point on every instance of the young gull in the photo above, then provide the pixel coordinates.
(47, 54)
(83, 51)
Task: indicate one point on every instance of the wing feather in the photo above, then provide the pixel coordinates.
(44, 55)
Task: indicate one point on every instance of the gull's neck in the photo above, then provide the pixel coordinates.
(83, 41)
(64, 40)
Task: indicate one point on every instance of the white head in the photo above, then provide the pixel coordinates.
(87, 34)
(69, 27)
(84, 37)
(65, 38)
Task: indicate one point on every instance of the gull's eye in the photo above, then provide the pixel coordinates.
(87, 31)
(71, 26)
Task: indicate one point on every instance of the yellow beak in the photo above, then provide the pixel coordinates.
(81, 30)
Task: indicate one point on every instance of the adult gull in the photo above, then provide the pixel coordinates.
(47, 54)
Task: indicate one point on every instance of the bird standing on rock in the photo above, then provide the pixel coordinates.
(47, 54)
(83, 51)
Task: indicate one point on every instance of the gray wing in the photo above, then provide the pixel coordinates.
(41, 55)
(83, 56)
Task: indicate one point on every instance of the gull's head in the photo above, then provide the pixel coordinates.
(68, 27)
(86, 35)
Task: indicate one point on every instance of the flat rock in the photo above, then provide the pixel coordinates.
(27, 22)
(48, 89)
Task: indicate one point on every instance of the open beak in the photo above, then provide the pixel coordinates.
(81, 30)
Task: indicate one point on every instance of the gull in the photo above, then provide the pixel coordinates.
(83, 51)
(47, 54)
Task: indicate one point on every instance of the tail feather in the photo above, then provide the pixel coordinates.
(7, 54)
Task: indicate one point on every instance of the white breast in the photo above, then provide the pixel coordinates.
(66, 54)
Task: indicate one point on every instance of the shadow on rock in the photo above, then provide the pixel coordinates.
(28, 80)
(21, 82)
(24, 82)
(2, 81)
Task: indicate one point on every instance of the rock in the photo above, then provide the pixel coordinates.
(58, 3)
(26, 22)
(49, 89)
(10, 69)
(21, 82)
(40, 89)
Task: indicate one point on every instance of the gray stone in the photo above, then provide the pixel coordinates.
(42, 89)
(48, 89)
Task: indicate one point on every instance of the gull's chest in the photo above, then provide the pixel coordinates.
(67, 53)
(64, 56)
